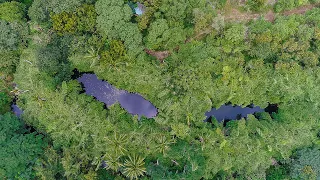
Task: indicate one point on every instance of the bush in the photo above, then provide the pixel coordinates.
(19, 148)
(8, 36)
(82, 20)
(12, 11)
(4, 103)
(282, 5)
(256, 5)
(306, 164)
(277, 173)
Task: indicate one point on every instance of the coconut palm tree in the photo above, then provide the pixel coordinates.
(164, 143)
(94, 56)
(134, 167)
(117, 143)
(112, 162)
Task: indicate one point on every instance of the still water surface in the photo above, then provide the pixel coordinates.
(103, 91)
(229, 112)
(16, 110)
(135, 104)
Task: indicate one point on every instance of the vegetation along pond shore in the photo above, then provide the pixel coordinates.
(159, 89)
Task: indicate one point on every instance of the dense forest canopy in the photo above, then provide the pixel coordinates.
(183, 56)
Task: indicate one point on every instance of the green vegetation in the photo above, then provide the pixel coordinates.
(19, 149)
(282, 5)
(307, 164)
(185, 57)
(12, 11)
(83, 20)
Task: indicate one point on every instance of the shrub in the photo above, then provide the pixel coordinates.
(306, 165)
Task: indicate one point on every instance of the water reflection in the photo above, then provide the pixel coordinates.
(229, 112)
(135, 104)
(16, 110)
(103, 91)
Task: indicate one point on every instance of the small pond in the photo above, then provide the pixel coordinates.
(15, 109)
(103, 91)
(229, 112)
(135, 104)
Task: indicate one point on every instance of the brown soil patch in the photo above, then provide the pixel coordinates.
(270, 16)
(300, 10)
(160, 55)
(236, 15)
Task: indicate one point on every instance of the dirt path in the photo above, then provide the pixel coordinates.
(236, 15)
(300, 10)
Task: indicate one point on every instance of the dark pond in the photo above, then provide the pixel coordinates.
(103, 91)
(135, 104)
(15, 109)
(229, 112)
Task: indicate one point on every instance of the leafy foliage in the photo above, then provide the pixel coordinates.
(49, 166)
(51, 59)
(86, 18)
(306, 165)
(113, 21)
(38, 11)
(19, 149)
(134, 167)
(9, 60)
(4, 103)
(12, 11)
(277, 173)
(83, 20)
(209, 61)
(8, 36)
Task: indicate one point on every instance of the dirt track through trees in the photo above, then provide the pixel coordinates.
(236, 15)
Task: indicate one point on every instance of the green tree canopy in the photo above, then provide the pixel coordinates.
(12, 11)
(306, 164)
(114, 21)
(9, 38)
(19, 148)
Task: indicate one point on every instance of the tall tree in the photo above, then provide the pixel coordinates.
(114, 21)
(12, 11)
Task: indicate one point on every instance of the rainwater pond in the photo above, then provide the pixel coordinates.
(229, 112)
(135, 104)
(16, 110)
(104, 92)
